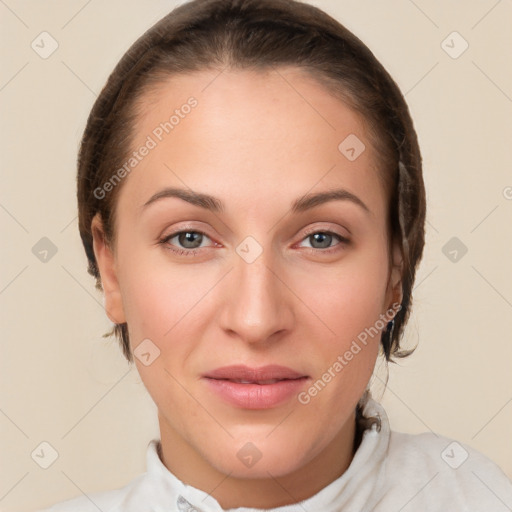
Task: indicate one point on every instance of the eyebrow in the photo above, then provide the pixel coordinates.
(214, 204)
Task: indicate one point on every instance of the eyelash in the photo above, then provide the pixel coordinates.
(193, 252)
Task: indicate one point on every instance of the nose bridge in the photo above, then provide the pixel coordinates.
(257, 305)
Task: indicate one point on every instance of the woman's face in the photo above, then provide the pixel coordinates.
(273, 273)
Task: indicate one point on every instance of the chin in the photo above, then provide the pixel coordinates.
(261, 458)
(277, 465)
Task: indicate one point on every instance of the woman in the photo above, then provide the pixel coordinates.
(252, 205)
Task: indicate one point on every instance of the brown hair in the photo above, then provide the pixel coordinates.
(258, 34)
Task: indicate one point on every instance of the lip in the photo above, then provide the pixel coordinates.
(255, 388)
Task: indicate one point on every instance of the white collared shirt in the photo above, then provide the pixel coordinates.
(390, 472)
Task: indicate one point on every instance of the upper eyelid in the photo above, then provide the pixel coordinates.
(317, 229)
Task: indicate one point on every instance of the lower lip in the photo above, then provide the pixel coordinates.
(256, 396)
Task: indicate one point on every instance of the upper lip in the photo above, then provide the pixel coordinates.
(246, 373)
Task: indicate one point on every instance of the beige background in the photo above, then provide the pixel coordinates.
(62, 383)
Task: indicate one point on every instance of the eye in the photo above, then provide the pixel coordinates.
(323, 240)
(187, 242)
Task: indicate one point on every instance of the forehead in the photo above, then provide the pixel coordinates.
(264, 134)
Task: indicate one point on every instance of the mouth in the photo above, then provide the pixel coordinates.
(255, 388)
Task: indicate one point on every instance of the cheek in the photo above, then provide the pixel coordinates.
(162, 304)
(145, 294)
(345, 353)
(347, 329)
(350, 295)
(147, 302)
(164, 301)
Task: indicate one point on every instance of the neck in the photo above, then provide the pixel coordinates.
(191, 468)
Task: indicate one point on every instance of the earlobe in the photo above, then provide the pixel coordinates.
(108, 272)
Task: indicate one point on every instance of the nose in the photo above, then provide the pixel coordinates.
(258, 305)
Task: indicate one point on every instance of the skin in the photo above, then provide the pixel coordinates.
(257, 144)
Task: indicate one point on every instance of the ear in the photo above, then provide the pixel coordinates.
(395, 291)
(108, 272)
